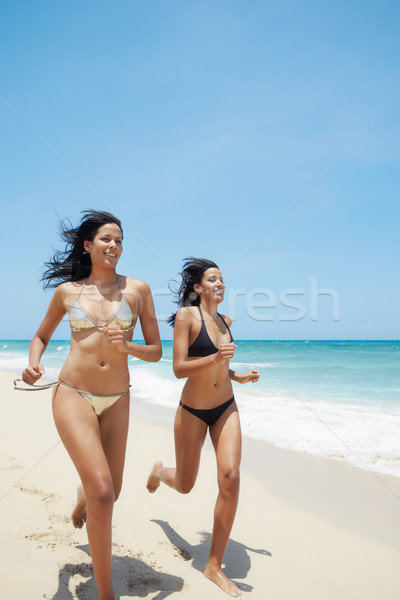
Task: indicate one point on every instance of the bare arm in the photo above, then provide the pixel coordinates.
(250, 375)
(54, 314)
(183, 367)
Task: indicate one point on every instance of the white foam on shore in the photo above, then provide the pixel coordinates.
(364, 435)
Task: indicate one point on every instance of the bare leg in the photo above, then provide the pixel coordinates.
(114, 424)
(226, 438)
(189, 433)
(81, 433)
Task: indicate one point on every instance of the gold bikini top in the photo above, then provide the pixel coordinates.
(79, 320)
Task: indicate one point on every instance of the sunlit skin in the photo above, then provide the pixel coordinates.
(97, 362)
(208, 385)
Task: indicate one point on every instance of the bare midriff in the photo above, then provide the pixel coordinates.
(210, 388)
(94, 365)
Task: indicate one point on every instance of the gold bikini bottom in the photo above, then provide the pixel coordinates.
(99, 402)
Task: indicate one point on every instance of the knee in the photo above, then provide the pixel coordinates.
(229, 481)
(101, 494)
(184, 486)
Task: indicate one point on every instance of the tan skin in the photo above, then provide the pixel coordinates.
(98, 363)
(208, 385)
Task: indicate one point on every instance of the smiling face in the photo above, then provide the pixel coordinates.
(212, 285)
(105, 248)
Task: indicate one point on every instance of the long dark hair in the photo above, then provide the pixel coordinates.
(192, 272)
(73, 263)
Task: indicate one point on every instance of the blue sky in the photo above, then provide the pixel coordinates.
(262, 135)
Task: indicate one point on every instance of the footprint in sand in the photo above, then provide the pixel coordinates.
(42, 538)
(12, 466)
(45, 497)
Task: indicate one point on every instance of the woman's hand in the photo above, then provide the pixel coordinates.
(116, 338)
(32, 373)
(251, 375)
(225, 352)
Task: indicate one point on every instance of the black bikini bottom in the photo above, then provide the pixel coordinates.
(208, 415)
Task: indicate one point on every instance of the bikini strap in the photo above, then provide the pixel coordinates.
(32, 387)
(226, 325)
(201, 314)
(81, 290)
(122, 293)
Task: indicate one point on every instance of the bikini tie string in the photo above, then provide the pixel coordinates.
(32, 387)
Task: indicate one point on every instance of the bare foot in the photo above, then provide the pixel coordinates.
(79, 513)
(154, 481)
(226, 585)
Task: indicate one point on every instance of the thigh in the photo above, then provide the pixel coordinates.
(226, 437)
(114, 424)
(79, 430)
(190, 433)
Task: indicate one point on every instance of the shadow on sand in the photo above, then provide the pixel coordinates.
(237, 559)
(131, 577)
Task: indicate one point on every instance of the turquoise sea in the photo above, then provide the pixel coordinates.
(336, 399)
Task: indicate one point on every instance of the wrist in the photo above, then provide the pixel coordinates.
(126, 347)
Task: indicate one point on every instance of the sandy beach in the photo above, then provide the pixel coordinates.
(306, 528)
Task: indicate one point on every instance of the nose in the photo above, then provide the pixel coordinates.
(112, 244)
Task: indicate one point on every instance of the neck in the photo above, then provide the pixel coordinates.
(209, 307)
(102, 276)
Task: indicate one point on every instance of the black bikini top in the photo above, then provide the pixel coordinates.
(202, 345)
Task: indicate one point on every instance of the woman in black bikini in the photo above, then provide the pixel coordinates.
(91, 398)
(203, 345)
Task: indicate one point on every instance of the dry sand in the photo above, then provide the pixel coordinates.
(306, 528)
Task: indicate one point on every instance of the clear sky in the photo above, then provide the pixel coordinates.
(263, 135)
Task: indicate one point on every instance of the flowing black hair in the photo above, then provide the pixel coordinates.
(192, 272)
(74, 263)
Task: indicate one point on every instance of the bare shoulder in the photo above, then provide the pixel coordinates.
(134, 285)
(186, 314)
(69, 288)
(65, 289)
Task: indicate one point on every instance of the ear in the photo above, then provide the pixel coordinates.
(197, 288)
(86, 246)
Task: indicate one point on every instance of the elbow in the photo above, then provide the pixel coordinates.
(41, 339)
(178, 372)
(156, 354)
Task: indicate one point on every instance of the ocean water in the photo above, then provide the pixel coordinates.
(334, 399)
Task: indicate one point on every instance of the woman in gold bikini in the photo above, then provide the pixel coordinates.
(91, 398)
